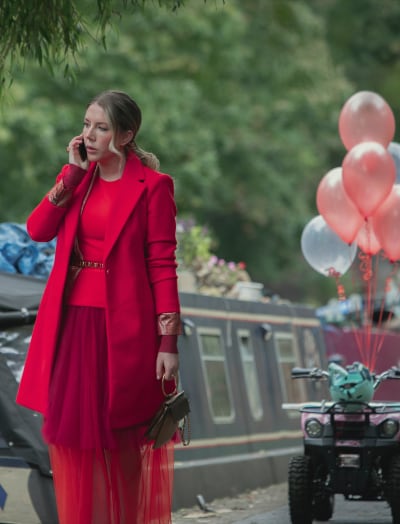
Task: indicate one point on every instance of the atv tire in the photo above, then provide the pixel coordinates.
(300, 490)
(323, 508)
(393, 488)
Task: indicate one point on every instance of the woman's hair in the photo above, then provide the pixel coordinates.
(125, 115)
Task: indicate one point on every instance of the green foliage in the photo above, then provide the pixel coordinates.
(53, 32)
(194, 244)
(240, 102)
(365, 42)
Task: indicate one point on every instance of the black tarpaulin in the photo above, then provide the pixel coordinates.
(20, 428)
(20, 292)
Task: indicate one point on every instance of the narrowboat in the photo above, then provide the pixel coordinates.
(236, 356)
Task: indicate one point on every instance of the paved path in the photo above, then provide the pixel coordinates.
(18, 507)
(262, 506)
(269, 506)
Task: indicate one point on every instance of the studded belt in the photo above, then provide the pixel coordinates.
(88, 264)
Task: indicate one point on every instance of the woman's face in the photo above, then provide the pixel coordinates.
(97, 134)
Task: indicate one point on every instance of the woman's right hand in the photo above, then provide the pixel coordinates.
(74, 155)
(77, 166)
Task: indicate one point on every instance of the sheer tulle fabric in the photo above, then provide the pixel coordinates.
(77, 411)
(101, 475)
(126, 485)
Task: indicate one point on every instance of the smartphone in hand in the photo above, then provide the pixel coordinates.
(82, 151)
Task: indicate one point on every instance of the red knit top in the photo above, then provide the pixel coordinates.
(89, 288)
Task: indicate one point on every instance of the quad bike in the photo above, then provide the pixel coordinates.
(351, 445)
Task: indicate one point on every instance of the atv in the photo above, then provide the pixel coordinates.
(351, 445)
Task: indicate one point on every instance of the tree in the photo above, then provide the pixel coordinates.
(236, 106)
(241, 103)
(53, 32)
(364, 41)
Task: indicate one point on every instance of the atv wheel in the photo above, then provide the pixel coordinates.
(300, 490)
(393, 488)
(323, 508)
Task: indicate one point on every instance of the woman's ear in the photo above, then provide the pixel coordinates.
(125, 138)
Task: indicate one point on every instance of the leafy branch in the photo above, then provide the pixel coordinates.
(52, 32)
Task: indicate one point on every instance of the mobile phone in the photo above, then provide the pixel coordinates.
(82, 151)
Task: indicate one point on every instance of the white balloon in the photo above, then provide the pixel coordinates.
(324, 250)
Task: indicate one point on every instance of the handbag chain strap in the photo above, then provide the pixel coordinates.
(185, 428)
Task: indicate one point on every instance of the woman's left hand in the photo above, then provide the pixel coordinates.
(167, 365)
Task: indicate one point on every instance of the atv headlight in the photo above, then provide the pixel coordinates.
(313, 428)
(388, 428)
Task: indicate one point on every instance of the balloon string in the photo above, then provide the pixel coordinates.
(380, 339)
(373, 352)
(367, 273)
(368, 232)
(339, 286)
(366, 266)
(341, 293)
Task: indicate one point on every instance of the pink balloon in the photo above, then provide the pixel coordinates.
(366, 117)
(366, 239)
(369, 173)
(337, 208)
(386, 224)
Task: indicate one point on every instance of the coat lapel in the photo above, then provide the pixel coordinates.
(131, 188)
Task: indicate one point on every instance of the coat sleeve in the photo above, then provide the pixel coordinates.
(161, 245)
(43, 223)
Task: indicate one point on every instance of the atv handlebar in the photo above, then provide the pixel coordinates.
(390, 374)
(316, 373)
(309, 373)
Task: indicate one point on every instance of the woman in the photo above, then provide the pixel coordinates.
(107, 326)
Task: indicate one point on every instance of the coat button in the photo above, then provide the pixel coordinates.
(107, 271)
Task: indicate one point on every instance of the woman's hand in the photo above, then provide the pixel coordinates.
(167, 365)
(74, 155)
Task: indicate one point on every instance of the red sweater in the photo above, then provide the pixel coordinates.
(90, 287)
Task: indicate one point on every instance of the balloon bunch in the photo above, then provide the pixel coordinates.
(359, 202)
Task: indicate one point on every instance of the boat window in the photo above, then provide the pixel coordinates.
(287, 358)
(250, 373)
(212, 352)
(312, 358)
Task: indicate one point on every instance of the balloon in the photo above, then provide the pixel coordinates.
(394, 150)
(337, 208)
(369, 173)
(366, 117)
(386, 224)
(324, 250)
(366, 239)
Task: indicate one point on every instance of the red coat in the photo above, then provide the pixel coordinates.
(141, 282)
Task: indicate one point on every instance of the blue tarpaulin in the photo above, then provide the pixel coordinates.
(20, 254)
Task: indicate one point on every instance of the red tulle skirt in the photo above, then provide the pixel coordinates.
(101, 475)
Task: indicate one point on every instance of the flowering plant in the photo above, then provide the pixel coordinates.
(214, 276)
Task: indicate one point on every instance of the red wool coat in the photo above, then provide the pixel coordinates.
(141, 282)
